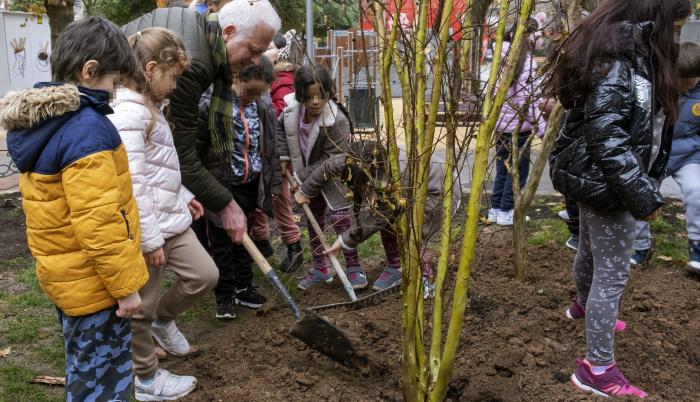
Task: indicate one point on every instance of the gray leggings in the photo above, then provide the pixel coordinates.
(601, 271)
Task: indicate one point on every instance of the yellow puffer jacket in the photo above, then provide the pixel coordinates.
(82, 220)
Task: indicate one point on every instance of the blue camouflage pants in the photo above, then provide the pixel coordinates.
(98, 356)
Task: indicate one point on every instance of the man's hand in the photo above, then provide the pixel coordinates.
(300, 198)
(284, 165)
(334, 249)
(233, 221)
(128, 305)
(653, 216)
(196, 209)
(155, 258)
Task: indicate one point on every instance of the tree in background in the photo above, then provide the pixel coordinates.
(118, 11)
(60, 14)
(27, 6)
(333, 14)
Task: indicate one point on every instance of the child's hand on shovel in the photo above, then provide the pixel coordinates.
(334, 249)
(300, 198)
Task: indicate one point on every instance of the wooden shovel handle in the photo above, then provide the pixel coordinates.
(270, 273)
(259, 259)
(324, 242)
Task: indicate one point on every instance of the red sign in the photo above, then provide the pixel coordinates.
(408, 15)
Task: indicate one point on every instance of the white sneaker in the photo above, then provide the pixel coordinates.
(563, 215)
(170, 338)
(505, 218)
(493, 215)
(165, 387)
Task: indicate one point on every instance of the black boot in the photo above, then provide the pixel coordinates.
(264, 247)
(294, 259)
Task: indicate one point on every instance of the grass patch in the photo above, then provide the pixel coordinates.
(51, 352)
(27, 312)
(660, 226)
(371, 248)
(16, 386)
(15, 214)
(544, 231)
(670, 240)
(17, 263)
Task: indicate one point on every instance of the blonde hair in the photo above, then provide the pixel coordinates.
(167, 50)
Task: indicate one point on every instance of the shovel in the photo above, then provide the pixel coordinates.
(312, 329)
(334, 261)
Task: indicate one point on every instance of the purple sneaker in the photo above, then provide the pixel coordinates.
(576, 312)
(314, 277)
(389, 277)
(357, 277)
(610, 383)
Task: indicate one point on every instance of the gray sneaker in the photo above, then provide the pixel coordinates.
(390, 277)
(357, 277)
(314, 277)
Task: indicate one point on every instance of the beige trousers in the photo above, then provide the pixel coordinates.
(196, 274)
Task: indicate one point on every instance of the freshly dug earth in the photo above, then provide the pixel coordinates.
(516, 343)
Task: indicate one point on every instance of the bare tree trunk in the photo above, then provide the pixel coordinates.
(524, 198)
(60, 14)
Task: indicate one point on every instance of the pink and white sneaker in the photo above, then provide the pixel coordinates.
(610, 383)
(576, 312)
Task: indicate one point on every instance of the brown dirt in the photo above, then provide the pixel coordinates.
(516, 344)
(13, 237)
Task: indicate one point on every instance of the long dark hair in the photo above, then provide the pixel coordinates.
(597, 40)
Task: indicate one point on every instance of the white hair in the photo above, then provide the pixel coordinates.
(245, 15)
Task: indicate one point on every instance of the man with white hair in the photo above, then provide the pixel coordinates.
(221, 45)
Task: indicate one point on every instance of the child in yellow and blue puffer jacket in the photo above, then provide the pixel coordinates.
(82, 221)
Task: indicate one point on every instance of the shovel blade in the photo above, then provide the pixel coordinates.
(333, 343)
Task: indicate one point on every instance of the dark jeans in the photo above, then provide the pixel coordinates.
(233, 261)
(572, 210)
(502, 197)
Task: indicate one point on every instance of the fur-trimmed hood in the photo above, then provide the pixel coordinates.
(34, 115)
(26, 108)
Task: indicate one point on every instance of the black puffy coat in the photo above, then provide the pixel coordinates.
(602, 153)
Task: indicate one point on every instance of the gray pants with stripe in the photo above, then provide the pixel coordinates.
(601, 271)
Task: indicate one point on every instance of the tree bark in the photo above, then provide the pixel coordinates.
(524, 199)
(60, 14)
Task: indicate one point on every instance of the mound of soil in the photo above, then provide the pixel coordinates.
(516, 344)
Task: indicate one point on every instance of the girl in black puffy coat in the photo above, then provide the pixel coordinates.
(616, 78)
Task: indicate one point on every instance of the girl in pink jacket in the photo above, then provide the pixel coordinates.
(520, 112)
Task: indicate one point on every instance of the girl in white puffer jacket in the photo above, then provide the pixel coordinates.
(166, 209)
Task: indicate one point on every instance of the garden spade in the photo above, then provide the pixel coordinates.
(334, 261)
(311, 328)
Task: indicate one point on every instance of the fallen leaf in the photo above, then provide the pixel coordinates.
(48, 380)
(5, 352)
(680, 217)
(680, 235)
(665, 258)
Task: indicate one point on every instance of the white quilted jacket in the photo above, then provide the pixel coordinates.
(155, 170)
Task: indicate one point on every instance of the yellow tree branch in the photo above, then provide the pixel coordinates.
(490, 113)
(447, 185)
